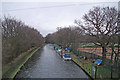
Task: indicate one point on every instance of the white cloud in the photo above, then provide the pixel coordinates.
(45, 17)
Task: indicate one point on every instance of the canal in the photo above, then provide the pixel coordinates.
(46, 63)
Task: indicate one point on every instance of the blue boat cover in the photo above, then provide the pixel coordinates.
(67, 55)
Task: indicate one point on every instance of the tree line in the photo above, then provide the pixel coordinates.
(98, 26)
(17, 38)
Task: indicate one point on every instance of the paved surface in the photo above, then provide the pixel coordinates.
(46, 63)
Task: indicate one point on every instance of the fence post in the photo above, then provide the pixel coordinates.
(92, 70)
(91, 56)
(94, 56)
(95, 71)
(78, 53)
(111, 72)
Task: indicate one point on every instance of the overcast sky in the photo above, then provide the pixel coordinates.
(47, 16)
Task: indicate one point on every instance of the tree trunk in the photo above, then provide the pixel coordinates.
(115, 59)
(112, 53)
(103, 54)
(103, 51)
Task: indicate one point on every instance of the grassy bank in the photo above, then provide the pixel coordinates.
(11, 69)
(103, 72)
(84, 64)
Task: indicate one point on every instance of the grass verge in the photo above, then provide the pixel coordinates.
(103, 72)
(85, 65)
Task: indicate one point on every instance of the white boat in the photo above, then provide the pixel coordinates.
(67, 56)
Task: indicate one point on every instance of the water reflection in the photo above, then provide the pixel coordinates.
(46, 63)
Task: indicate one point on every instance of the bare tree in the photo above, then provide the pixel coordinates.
(100, 23)
(17, 38)
(66, 37)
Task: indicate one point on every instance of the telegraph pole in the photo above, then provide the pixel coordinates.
(118, 33)
(118, 29)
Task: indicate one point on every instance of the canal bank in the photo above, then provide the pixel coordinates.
(11, 69)
(77, 61)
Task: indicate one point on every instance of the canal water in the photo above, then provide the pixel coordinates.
(46, 63)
